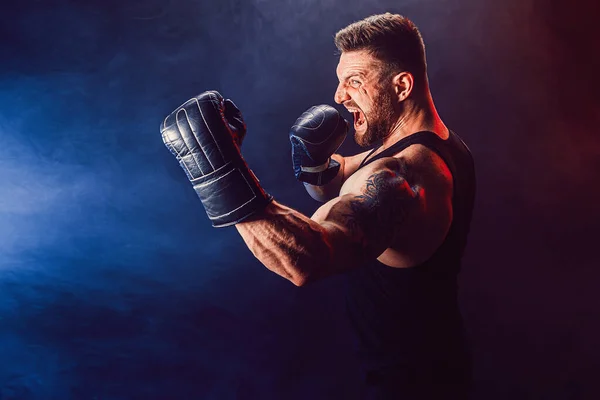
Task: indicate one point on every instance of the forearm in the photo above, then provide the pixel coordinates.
(330, 190)
(287, 242)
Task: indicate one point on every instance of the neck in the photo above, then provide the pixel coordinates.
(418, 115)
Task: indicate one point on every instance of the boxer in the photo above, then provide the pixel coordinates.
(394, 221)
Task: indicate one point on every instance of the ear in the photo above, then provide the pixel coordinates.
(404, 83)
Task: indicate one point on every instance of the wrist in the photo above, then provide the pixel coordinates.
(320, 175)
(316, 169)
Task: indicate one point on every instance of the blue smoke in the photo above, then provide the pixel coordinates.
(113, 285)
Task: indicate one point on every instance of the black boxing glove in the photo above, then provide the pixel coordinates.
(315, 136)
(205, 134)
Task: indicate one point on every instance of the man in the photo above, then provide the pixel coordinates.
(395, 220)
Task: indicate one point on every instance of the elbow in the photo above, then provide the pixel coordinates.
(313, 269)
(302, 278)
(306, 278)
(293, 275)
(299, 280)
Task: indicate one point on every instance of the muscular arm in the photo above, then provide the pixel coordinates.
(348, 165)
(342, 234)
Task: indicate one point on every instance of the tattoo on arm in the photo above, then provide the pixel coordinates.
(382, 207)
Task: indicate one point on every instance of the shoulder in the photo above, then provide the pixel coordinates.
(385, 172)
(417, 164)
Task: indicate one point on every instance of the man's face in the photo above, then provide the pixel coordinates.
(367, 94)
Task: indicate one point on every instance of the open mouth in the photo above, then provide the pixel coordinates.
(359, 117)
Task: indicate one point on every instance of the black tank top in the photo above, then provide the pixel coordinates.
(408, 318)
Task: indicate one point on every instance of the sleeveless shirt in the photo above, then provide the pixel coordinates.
(407, 321)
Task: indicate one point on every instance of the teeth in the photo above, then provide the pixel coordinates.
(356, 113)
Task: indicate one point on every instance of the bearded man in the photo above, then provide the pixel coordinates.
(394, 221)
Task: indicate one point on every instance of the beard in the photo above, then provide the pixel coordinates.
(379, 121)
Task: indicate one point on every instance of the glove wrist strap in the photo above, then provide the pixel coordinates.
(318, 168)
(320, 175)
(230, 194)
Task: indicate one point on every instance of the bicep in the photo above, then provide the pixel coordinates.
(361, 224)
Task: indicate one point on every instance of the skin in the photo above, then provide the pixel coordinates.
(397, 209)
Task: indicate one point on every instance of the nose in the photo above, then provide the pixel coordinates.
(341, 95)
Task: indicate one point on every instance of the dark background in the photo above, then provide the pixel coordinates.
(113, 285)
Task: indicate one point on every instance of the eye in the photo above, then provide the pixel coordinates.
(354, 83)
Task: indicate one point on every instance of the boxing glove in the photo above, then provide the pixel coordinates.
(315, 136)
(205, 134)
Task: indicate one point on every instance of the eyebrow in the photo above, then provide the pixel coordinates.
(352, 73)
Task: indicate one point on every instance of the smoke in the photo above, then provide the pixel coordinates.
(110, 271)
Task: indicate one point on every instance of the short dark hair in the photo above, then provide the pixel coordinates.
(391, 38)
